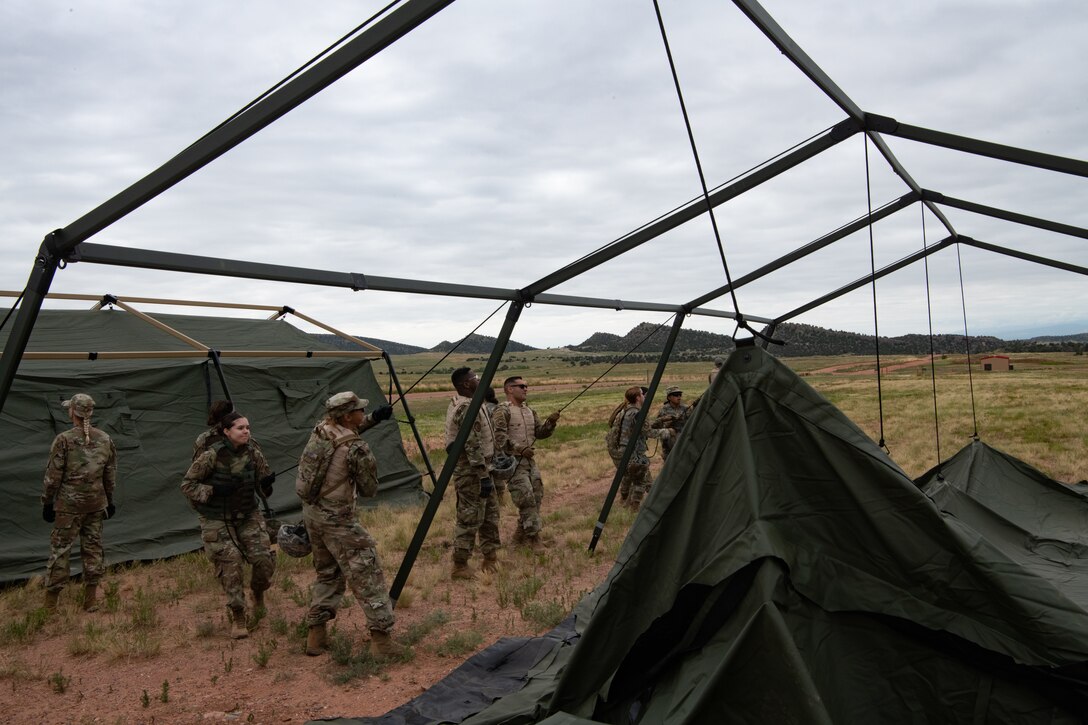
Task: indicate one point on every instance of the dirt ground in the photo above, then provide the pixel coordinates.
(212, 678)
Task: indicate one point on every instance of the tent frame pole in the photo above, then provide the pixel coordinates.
(37, 287)
(214, 356)
(411, 418)
(454, 451)
(640, 419)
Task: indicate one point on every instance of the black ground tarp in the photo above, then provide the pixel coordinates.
(154, 409)
(784, 570)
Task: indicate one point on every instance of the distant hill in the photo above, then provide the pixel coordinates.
(480, 344)
(1079, 337)
(393, 348)
(648, 337)
(801, 340)
(805, 340)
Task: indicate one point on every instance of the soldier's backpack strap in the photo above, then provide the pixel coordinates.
(336, 443)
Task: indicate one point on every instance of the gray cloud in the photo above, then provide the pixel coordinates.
(502, 140)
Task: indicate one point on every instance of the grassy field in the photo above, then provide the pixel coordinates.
(1034, 412)
(159, 615)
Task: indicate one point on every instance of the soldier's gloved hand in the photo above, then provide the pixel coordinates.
(384, 412)
(526, 452)
(486, 487)
(266, 484)
(110, 510)
(553, 417)
(223, 489)
(48, 514)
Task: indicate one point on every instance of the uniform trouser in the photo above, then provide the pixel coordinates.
(68, 526)
(230, 545)
(476, 516)
(527, 492)
(345, 554)
(636, 481)
(668, 440)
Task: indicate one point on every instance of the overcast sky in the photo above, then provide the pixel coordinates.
(506, 138)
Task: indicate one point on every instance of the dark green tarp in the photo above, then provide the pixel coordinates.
(1036, 521)
(154, 409)
(784, 570)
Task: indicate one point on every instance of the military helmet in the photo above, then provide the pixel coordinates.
(294, 540)
(502, 467)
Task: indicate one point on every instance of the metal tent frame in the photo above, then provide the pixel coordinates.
(70, 243)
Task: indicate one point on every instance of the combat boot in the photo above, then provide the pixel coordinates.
(491, 563)
(258, 599)
(382, 645)
(90, 598)
(519, 536)
(51, 599)
(462, 570)
(317, 639)
(238, 624)
(533, 542)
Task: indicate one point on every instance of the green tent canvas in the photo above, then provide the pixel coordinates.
(783, 569)
(1037, 521)
(155, 408)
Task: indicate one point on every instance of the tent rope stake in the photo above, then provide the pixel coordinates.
(967, 346)
(699, 168)
(932, 353)
(872, 271)
(613, 365)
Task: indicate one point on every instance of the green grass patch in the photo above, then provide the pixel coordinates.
(459, 644)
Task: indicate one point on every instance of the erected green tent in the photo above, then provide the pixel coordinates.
(783, 569)
(152, 391)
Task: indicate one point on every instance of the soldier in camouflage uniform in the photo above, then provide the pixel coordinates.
(477, 508)
(718, 362)
(78, 495)
(335, 468)
(670, 419)
(219, 410)
(636, 480)
(221, 484)
(517, 429)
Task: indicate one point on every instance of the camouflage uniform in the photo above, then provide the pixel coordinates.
(79, 482)
(670, 421)
(476, 515)
(231, 528)
(342, 547)
(517, 429)
(718, 362)
(636, 480)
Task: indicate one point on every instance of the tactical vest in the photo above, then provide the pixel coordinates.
(236, 470)
(521, 429)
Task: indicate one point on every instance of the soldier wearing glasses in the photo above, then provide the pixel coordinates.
(517, 429)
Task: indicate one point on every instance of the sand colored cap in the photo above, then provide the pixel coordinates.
(672, 389)
(81, 403)
(344, 403)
